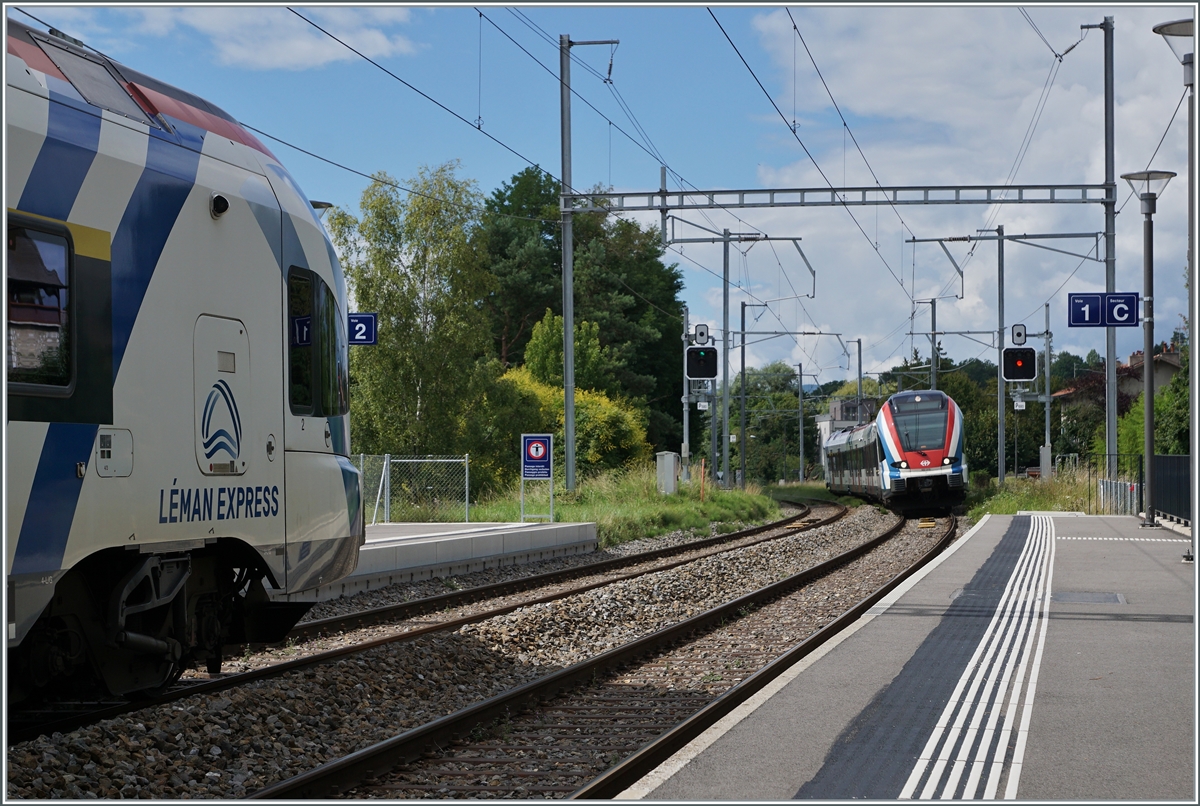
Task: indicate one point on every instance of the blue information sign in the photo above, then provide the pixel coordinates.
(1102, 310)
(362, 328)
(537, 456)
(1121, 310)
(1085, 310)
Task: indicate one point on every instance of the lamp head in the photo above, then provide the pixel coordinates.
(1179, 35)
(1148, 182)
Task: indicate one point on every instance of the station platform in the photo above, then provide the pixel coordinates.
(1043, 656)
(404, 552)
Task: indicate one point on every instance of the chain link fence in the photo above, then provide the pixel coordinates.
(416, 489)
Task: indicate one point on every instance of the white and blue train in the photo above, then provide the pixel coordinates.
(909, 458)
(177, 390)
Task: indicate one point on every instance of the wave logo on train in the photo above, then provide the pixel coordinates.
(221, 424)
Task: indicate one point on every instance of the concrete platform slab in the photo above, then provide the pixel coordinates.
(972, 681)
(405, 552)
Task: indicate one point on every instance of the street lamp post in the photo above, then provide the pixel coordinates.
(1180, 37)
(1148, 185)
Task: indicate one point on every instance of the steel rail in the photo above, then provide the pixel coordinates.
(334, 777)
(403, 610)
(632, 769)
(20, 731)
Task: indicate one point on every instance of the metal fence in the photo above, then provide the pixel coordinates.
(421, 489)
(1106, 484)
(1173, 487)
(1117, 480)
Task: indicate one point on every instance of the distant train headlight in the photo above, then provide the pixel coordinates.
(946, 461)
(904, 464)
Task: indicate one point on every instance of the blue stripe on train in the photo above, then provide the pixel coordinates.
(352, 481)
(53, 497)
(166, 181)
(72, 137)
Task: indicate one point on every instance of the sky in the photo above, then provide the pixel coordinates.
(854, 95)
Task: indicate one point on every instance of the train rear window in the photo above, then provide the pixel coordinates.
(39, 309)
(319, 382)
(335, 377)
(300, 340)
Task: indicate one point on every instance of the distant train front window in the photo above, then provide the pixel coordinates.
(39, 310)
(921, 421)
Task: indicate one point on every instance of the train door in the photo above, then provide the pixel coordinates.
(324, 499)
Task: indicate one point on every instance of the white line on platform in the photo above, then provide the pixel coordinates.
(1000, 660)
(1131, 539)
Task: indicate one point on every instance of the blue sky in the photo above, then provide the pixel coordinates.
(932, 95)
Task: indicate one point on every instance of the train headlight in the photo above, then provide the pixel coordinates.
(904, 464)
(946, 461)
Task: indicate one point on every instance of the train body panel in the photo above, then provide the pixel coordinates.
(910, 457)
(176, 445)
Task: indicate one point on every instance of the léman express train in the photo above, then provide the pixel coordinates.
(178, 432)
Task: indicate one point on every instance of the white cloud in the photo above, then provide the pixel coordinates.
(273, 38)
(945, 97)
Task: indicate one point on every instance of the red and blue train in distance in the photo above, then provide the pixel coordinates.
(909, 458)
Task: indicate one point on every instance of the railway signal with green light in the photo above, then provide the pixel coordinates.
(701, 363)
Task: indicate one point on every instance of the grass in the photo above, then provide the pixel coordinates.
(1064, 493)
(626, 505)
(809, 489)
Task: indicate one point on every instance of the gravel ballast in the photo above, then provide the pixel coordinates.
(233, 743)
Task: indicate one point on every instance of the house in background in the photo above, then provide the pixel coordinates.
(37, 298)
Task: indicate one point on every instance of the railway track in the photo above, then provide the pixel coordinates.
(592, 729)
(500, 598)
(686, 551)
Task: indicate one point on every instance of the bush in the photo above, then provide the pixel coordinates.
(608, 434)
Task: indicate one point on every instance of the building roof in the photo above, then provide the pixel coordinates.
(25, 264)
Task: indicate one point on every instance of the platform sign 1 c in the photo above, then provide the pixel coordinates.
(362, 328)
(537, 456)
(1103, 310)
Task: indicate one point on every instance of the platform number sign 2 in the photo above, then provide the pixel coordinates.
(362, 328)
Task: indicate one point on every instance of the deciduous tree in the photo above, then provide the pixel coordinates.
(412, 258)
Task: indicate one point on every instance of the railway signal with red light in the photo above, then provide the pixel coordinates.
(1020, 363)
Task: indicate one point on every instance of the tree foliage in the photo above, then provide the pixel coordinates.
(772, 444)
(595, 367)
(522, 240)
(621, 286)
(413, 259)
(608, 434)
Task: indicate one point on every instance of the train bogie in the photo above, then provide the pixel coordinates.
(166, 493)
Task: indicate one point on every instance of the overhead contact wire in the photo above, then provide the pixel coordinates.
(809, 154)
